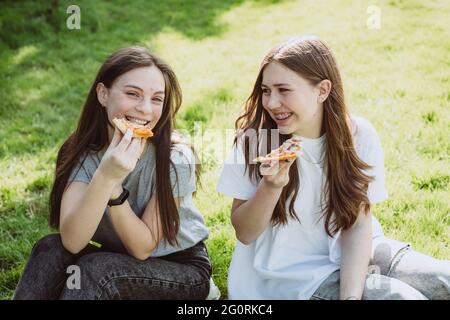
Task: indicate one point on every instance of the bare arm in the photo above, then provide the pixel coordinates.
(140, 237)
(82, 208)
(83, 205)
(250, 218)
(356, 252)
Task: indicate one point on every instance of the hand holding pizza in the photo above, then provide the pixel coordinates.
(121, 156)
(275, 173)
(275, 166)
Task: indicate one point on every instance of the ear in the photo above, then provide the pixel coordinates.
(102, 94)
(324, 87)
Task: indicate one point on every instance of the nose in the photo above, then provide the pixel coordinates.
(145, 106)
(273, 102)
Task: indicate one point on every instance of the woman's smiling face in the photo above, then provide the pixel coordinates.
(137, 95)
(292, 101)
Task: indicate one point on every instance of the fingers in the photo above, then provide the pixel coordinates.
(289, 162)
(273, 167)
(270, 168)
(130, 146)
(267, 170)
(116, 137)
(134, 147)
(281, 164)
(143, 142)
(126, 140)
(286, 165)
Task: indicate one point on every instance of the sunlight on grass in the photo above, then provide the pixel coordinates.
(397, 77)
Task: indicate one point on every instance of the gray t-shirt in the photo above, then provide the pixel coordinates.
(141, 183)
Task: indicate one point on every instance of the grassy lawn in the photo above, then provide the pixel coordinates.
(396, 76)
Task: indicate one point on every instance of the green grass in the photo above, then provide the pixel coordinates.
(397, 77)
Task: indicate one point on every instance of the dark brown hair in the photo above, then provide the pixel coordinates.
(91, 134)
(346, 184)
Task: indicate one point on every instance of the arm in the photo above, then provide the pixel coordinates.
(140, 237)
(356, 251)
(82, 208)
(250, 218)
(83, 205)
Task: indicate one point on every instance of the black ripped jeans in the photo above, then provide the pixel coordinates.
(51, 273)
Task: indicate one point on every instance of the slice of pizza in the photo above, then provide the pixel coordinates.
(139, 131)
(288, 150)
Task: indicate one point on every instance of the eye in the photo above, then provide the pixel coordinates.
(133, 94)
(159, 100)
(265, 91)
(284, 90)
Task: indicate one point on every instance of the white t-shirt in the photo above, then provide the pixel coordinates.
(291, 261)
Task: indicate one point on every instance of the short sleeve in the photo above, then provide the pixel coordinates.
(84, 169)
(372, 154)
(234, 180)
(182, 173)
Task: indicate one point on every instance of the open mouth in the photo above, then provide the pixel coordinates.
(283, 116)
(137, 121)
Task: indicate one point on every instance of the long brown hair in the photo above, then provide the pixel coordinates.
(91, 134)
(345, 192)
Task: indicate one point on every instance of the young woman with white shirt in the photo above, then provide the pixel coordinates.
(304, 226)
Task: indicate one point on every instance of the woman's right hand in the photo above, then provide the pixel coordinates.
(121, 156)
(276, 174)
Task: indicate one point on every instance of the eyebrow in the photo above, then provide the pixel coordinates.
(276, 85)
(136, 87)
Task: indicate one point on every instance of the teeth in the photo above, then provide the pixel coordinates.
(282, 116)
(137, 121)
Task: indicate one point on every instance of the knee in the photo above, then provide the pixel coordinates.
(438, 278)
(441, 271)
(96, 269)
(86, 278)
(379, 287)
(91, 267)
(403, 291)
(430, 276)
(49, 243)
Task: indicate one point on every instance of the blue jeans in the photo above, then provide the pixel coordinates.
(108, 275)
(396, 272)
